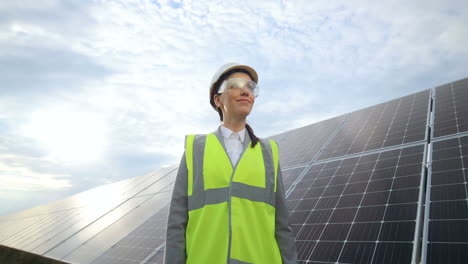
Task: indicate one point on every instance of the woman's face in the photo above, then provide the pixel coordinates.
(236, 103)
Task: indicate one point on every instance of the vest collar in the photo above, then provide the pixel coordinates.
(219, 134)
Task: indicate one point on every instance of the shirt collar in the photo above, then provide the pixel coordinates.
(227, 132)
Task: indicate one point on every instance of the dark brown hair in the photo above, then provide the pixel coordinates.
(249, 129)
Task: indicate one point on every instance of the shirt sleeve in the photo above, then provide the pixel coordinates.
(284, 234)
(175, 252)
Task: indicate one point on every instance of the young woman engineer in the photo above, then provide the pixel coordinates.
(228, 204)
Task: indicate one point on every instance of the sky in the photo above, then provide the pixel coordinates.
(93, 92)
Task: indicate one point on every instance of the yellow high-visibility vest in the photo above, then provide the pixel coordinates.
(231, 216)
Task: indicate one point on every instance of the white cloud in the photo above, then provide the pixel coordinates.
(14, 176)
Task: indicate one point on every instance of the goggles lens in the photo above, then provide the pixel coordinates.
(239, 83)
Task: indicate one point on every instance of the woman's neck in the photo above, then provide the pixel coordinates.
(234, 125)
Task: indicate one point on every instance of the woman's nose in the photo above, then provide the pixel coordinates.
(246, 91)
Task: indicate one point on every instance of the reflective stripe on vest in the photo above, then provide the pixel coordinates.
(231, 208)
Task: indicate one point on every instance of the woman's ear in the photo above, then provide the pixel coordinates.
(217, 100)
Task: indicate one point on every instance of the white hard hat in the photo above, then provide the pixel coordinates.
(226, 68)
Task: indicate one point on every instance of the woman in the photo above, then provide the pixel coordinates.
(228, 202)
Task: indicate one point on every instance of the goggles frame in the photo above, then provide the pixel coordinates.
(239, 83)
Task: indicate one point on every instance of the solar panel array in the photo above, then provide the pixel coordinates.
(384, 184)
(81, 228)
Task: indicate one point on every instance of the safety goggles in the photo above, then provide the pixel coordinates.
(239, 83)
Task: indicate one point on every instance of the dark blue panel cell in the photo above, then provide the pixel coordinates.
(448, 231)
(357, 253)
(375, 198)
(338, 180)
(343, 215)
(447, 164)
(380, 185)
(390, 154)
(345, 170)
(352, 200)
(326, 251)
(447, 177)
(446, 153)
(354, 188)
(299, 217)
(367, 166)
(387, 163)
(411, 159)
(383, 174)
(401, 212)
(327, 202)
(448, 192)
(447, 253)
(397, 231)
(406, 182)
(370, 214)
(306, 204)
(412, 150)
(319, 216)
(320, 182)
(450, 143)
(449, 210)
(333, 190)
(335, 232)
(304, 248)
(310, 232)
(364, 232)
(314, 193)
(393, 253)
(404, 196)
(408, 170)
(360, 177)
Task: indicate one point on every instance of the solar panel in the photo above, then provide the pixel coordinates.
(291, 175)
(80, 226)
(139, 244)
(395, 122)
(360, 209)
(47, 226)
(446, 232)
(157, 258)
(299, 146)
(451, 108)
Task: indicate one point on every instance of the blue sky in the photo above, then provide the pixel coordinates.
(93, 92)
